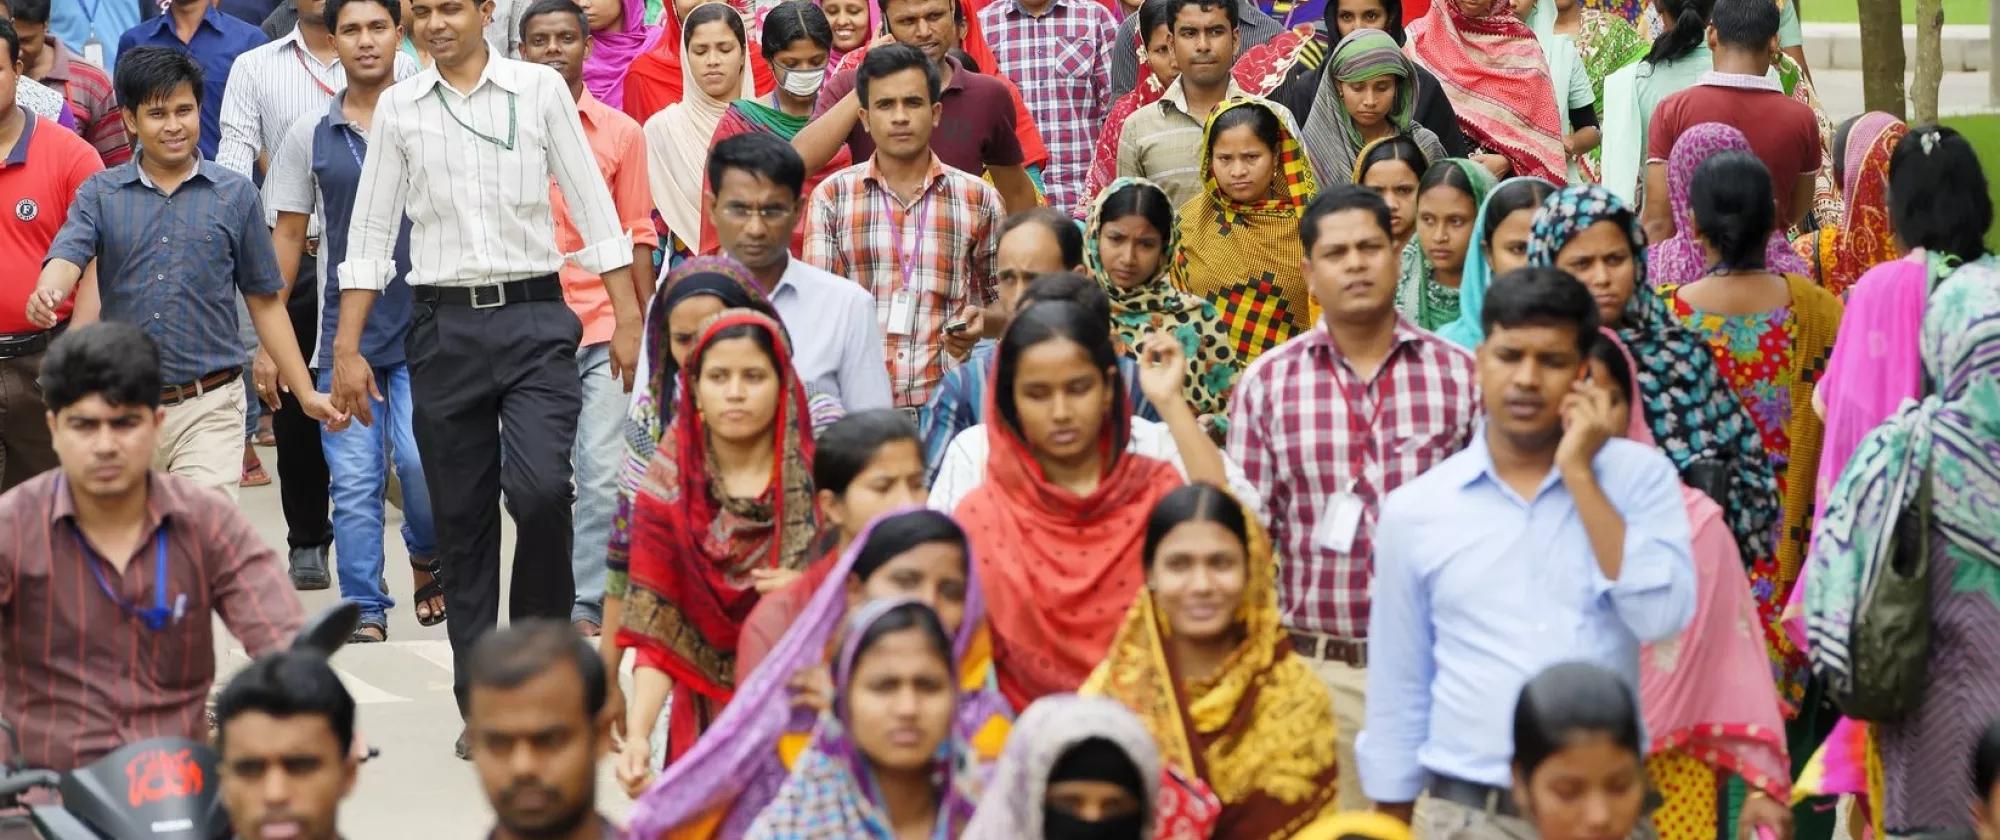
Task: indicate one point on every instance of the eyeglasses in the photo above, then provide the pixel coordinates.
(767, 212)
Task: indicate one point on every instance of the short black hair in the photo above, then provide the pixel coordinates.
(1068, 287)
(149, 74)
(1154, 14)
(12, 38)
(286, 684)
(891, 59)
(1733, 208)
(795, 20)
(333, 8)
(1337, 199)
(1937, 193)
(555, 7)
(760, 154)
(1744, 24)
(112, 359)
(1228, 7)
(1540, 296)
(1068, 236)
(30, 11)
(528, 648)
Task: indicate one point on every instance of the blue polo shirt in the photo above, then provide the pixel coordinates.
(318, 170)
(76, 21)
(217, 42)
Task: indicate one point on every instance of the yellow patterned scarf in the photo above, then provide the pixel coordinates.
(1259, 732)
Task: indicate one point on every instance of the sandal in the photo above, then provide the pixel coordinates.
(253, 469)
(428, 614)
(362, 636)
(265, 436)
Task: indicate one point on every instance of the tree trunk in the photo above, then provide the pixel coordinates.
(1882, 58)
(1930, 61)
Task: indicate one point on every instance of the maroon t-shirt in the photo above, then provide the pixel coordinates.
(977, 129)
(1782, 132)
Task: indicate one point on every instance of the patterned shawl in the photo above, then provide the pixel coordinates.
(1706, 692)
(1841, 253)
(1156, 304)
(1011, 808)
(735, 770)
(832, 793)
(1418, 295)
(1468, 329)
(1245, 258)
(1682, 260)
(1493, 70)
(612, 52)
(693, 546)
(1951, 434)
(1695, 417)
(1333, 142)
(653, 403)
(1259, 731)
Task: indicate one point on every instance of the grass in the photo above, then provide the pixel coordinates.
(1984, 133)
(1846, 11)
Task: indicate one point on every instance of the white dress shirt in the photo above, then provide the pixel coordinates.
(836, 341)
(964, 465)
(480, 209)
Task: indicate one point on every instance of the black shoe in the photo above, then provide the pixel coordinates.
(463, 749)
(309, 569)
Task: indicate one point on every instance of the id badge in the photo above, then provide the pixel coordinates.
(93, 52)
(1339, 521)
(902, 313)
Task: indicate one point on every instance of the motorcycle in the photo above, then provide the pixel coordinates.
(162, 788)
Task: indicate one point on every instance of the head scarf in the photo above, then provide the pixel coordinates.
(1493, 70)
(1332, 139)
(736, 769)
(1244, 258)
(1695, 417)
(1257, 731)
(1057, 569)
(1707, 692)
(1418, 295)
(1682, 259)
(694, 547)
(1011, 808)
(1944, 441)
(832, 794)
(1468, 330)
(677, 142)
(1863, 239)
(613, 50)
(1156, 304)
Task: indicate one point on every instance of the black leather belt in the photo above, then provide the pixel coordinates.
(1352, 652)
(17, 345)
(177, 394)
(1483, 798)
(493, 295)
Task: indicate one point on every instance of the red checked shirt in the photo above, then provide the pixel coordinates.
(1305, 427)
(940, 247)
(1062, 61)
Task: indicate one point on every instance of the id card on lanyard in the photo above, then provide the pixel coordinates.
(93, 49)
(155, 617)
(908, 244)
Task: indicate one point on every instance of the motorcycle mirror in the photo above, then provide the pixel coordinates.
(325, 633)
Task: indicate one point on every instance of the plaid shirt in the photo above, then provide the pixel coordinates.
(1305, 427)
(853, 230)
(91, 98)
(1062, 61)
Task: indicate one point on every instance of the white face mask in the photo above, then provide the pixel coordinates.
(803, 82)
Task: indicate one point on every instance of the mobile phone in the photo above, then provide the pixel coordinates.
(957, 326)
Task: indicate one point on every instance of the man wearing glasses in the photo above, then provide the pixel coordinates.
(755, 181)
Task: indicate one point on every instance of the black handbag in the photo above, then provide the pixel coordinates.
(1890, 646)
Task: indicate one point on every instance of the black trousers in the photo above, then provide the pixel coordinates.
(302, 475)
(483, 381)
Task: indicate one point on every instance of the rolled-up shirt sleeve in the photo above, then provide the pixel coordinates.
(1655, 591)
(606, 245)
(379, 201)
(1401, 665)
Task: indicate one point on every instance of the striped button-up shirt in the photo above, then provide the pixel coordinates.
(1306, 426)
(91, 99)
(173, 264)
(1161, 142)
(79, 675)
(1061, 58)
(472, 170)
(270, 88)
(946, 238)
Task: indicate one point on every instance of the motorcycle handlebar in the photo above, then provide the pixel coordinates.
(28, 780)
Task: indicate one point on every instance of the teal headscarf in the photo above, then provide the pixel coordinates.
(1467, 331)
(1416, 297)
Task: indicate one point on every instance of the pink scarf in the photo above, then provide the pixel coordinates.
(1493, 71)
(612, 52)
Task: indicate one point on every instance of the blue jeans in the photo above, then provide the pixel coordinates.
(358, 460)
(595, 460)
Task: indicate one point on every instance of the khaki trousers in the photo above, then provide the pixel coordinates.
(1349, 687)
(202, 440)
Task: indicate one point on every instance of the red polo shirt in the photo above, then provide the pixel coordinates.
(38, 179)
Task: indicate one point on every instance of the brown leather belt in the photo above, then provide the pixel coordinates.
(1351, 652)
(1485, 799)
(177, 394)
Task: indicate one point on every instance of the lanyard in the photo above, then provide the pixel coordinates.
(906, 260)
(1363, 433)
(507, 144)
(155, 618)
(352, 149)
(90, 12)
(300, 54)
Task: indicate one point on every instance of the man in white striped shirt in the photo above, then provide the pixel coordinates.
(467, 147)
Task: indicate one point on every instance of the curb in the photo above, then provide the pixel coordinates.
(1837, 46)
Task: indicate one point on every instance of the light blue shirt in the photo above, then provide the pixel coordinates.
(1478, 590)
(77, 22)
(836, 341)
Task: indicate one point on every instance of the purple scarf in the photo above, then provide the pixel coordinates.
(612, 52)
(1682, 260)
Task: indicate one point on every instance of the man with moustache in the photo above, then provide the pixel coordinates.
(285, 731)
(538, 725)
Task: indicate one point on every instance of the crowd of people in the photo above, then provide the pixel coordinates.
(1012, 418)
